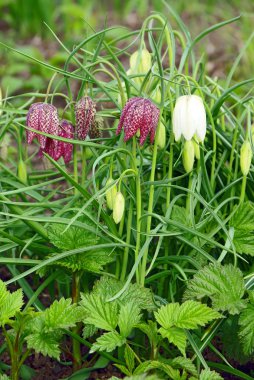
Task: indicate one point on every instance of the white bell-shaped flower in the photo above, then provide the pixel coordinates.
(189, 118)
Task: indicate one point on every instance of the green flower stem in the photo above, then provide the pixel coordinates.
(128, 238)
(83, 176)
(150, 208)
(243, 188)
(188, 199)
(212, 178)
(138, 203)
(75, 167)
(232, 154)
(75, 343)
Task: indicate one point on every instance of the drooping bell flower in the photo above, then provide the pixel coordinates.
(139, 114)
(245, 157)
(57, 148)
(189, 118)
(44, 118)
(95, 131)
(118, 207)
(85, 116)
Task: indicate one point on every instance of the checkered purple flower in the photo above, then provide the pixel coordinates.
(85, 116)
(43, 117)
(139, 114)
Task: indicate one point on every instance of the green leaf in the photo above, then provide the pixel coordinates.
(223, 284)
(129, 357)
(243, 224)
(123, 369)
(189, 315)
(62, 315)
(129, 316)
(103, 315)
(89, 330)
(107, 287)
(12, 303)
(246, 332)
(176, 336)
(207, 374)
(155, 364)
(108, 342)
(43, 342)
(4, 377)
(184, 363)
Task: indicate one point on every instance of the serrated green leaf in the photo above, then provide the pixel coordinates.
(176, 336)
(108, 342)
(3, 292)
(246, 332)
(184, 363)
(43, 343)
(207, 374)
(243, 224)
(89, 330)
(155, 364)
(129, 316)
(224, 284)
(4, 377)
(189, 315)
(129, 357)
(62, 314)
(123, 369)
(103, 315)
(107, 287)
(13, 302)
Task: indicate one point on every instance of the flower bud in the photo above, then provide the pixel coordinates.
(196, 149)
(161, 138)
(118, 207)
(188, 156)
(140, 62)
(245, 157)
(110, 193)
(22, 172)
(156, 95)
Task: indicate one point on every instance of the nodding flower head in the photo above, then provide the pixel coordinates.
(189, 118)
(139, 114)
(44, 118)
(57, 148)
(85, 116)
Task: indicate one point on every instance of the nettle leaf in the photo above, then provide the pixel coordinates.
(189, 315)
(62, 314)
(129, 316)
(184, 363)
(103, 315)
(108, 342)
(207, 374)
(41, 341)
(107, 287)
(129, 357)
(4, 377)
(176, 336)
(10, 305)
(74, 237)
(246, 332)
(224, 284)
(78, 237)
(162, 367)
(89, 330)
(243, 224)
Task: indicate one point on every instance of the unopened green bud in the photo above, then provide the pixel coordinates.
(22, 173)
(188, 156)
(140, 61)
(118, 207)
(156, 95)
(245, 157)
(196, 149)
(161, 138)
(110, 193)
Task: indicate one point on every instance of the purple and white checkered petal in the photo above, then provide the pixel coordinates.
(85, 115)
(146, 125)
(155, 121)
(124, 113)
(66, 132)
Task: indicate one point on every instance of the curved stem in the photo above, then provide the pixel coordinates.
(138, 205)
(128, 238)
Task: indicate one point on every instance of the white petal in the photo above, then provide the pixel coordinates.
(199, 119)
(188, 127)
(177, 125)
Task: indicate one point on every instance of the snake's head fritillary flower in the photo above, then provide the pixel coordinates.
(85, 116)
(95, 131)
(139, 114)
(118, 207)
(189, 118)
(57, 148)
(44, 118)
